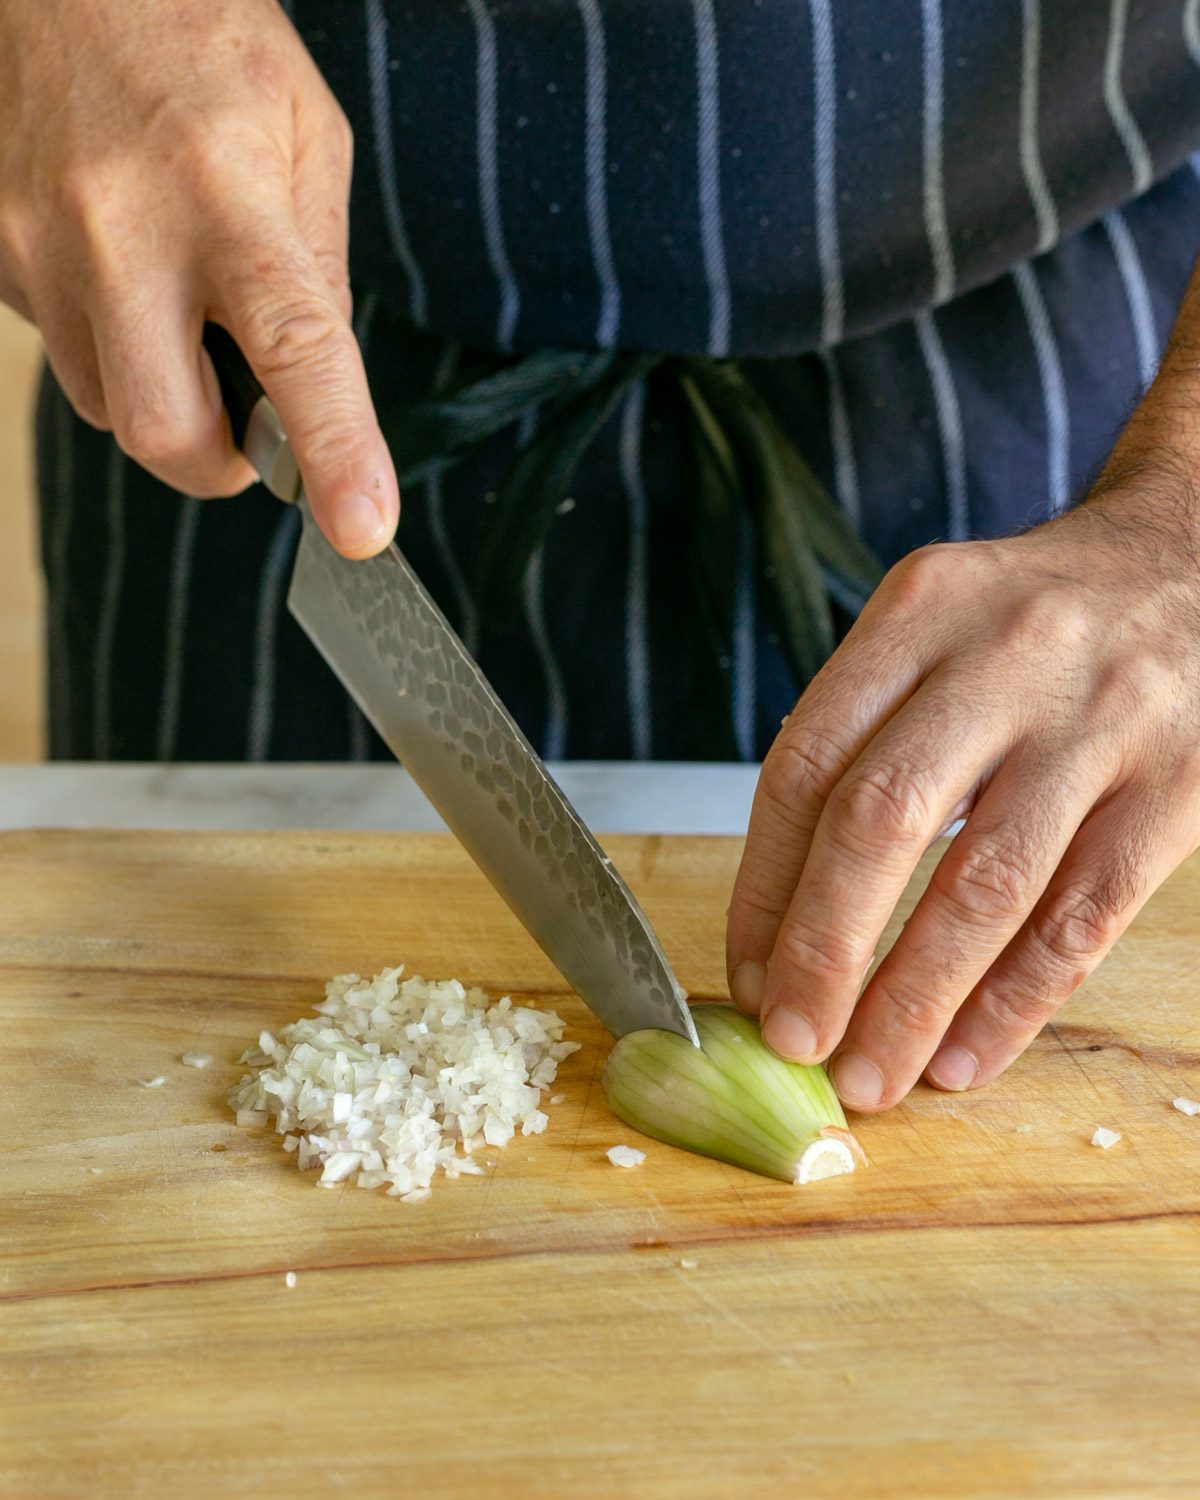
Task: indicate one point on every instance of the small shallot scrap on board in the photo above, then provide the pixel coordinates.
(625, 1156)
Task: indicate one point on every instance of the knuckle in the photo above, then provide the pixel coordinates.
(155, 439)
(911, 1012)
(922, 577)
(1143, 685)
(801, 950)
(281, 335)
(81, 191)
(89, 406)
(89, 202)
(1077, 926)
(883, 804)
(991, 882)
(1023, 1009)
(757, 899)
(1053, 618)
(270, 71)
(801, 763)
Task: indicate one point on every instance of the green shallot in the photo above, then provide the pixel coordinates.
(732, 1099)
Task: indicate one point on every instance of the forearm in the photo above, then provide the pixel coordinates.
(1150, 487)
(1166, 423)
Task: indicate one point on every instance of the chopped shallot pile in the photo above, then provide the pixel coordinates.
(395, 1078)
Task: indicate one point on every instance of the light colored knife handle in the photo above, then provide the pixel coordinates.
(253, 420)
(270, 454)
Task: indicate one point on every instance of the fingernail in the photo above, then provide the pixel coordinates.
(746, 987)
(858, 1081)
(790, 1035)
(356, 523)
(954, 1068)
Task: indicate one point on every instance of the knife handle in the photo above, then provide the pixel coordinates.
(253, 420)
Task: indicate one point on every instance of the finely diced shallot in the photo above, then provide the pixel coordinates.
(196, 1059)
(289, 1280)
(339, 1165)
(625, 1156)
(398, 1079)
(152, 1083)
(1187, 1106)
(1104, 1138)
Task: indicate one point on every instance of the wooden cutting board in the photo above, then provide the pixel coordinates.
(994, 1308)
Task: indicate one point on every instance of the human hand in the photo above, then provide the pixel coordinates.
(1047, 687)
(163, 165)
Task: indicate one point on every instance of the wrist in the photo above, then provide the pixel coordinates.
(1151, 482)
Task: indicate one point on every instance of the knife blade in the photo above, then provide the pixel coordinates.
(396, 654)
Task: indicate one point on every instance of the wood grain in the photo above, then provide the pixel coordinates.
(991, 1309)
(20, 570)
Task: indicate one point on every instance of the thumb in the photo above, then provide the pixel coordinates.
(298, 341)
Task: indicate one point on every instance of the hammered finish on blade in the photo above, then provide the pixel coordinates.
(409, 673)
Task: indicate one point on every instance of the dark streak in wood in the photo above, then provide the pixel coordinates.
(275, 978)
(736, 1235)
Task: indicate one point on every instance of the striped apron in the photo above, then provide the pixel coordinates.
(948, 236)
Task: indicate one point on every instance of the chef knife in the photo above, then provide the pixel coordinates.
(415, 681)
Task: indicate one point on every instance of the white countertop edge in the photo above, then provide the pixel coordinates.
(611, 796)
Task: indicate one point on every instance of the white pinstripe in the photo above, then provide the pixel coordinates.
(936, 227)
(487, 155)
(637, 647)
(845, 469)
(1118, 106)
(596, 168)
(1054, 390)
(744, 667)
(110, 604)
(1191, 29)
(1031, 154)
(554, 740)
(60, 581)
(829, 253)
(270, 601)
(364, 319)
(468, 613)
(1194, 161)
(1137, 293)
(385, 156)
(945, 399)
(708, 164)
(176, 626)
(359, 737)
